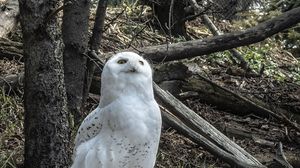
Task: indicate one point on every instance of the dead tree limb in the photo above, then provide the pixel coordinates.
(218, 43)
(223, 97)
(195, 122)
(174, 122)
(10, 49)
(8, 17)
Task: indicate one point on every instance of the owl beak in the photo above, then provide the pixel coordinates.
(132, 70)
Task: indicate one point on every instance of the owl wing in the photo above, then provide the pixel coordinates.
(89, 128)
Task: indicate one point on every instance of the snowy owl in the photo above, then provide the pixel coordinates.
(124, 130)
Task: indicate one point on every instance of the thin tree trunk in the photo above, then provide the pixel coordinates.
(75, 36)
(94, 45)
(46, 121)
(163, 14)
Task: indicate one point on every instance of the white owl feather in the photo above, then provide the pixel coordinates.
(124, 130)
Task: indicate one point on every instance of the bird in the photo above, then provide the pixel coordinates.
(124, 130)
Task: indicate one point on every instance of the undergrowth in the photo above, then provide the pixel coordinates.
(11, 131)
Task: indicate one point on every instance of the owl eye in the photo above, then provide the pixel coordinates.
(122, 61)
(141, 62)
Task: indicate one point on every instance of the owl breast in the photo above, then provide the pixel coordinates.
(132, 135)
(136, 117)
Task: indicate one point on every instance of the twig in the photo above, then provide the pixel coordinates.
(137, 34)
(170, 20)
(113, 20)
(280, 157)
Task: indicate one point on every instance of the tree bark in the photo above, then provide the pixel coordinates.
(46, 121)
(94, 45)
(162, 12)
(8, 17)
(75, 36)
(165, 11)
(218, 43)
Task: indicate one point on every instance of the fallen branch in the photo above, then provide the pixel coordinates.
(223, 42)
(241, 133)
(10, 49)
(223, 97)
(201, 126)
(178, 125)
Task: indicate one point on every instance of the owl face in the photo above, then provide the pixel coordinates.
(125, 74)
(128, 65)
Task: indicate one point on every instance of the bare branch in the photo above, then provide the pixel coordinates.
(223, 42)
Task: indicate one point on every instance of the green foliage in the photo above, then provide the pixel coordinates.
(290, 37)
(277, 62)
(279, 54)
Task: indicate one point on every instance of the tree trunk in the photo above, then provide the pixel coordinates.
(75, 36)
(94, 45)
(46, 121)
(162, 13)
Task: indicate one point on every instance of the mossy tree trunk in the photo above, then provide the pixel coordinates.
(46, 121)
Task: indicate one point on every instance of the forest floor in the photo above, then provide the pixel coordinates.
(131, 27)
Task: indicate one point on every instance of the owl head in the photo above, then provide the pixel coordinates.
(125, 73)
(127, 65)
